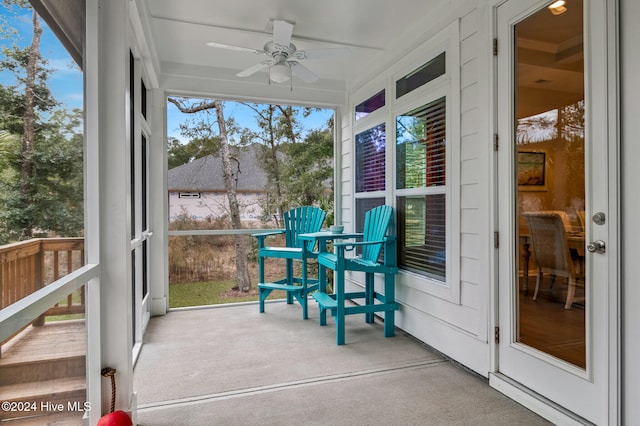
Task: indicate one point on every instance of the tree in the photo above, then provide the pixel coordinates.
(56, 181)
(181, 153)
(203, 131)
(279, 129)
(42, 167)
(307, 178)
(270, 137)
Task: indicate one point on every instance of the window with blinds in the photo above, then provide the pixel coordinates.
(422, 234)
(421, 147)
(370, 159)
(421, 188)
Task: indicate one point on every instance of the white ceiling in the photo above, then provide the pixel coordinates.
(177, 33)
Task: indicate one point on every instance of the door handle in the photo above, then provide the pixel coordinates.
(597, 246)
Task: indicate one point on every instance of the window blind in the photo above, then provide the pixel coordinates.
(421, 147)
(422, 234)
(370, 159)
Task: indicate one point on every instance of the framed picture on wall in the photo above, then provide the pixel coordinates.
(532, 171)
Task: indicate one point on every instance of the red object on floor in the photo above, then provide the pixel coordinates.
(117, 418)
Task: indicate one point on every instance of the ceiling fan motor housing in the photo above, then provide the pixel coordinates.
(277, 50)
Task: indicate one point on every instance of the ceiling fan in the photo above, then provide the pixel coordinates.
(284, 56)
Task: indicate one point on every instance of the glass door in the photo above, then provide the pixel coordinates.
(552, 291)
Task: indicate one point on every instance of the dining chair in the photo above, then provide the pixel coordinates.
(370, 242)
(582, 219)
(297, 221)
(548, 234)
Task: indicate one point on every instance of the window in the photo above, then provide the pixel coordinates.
(420, 147)
(421, 180)
(370, 105)
(370, 159)
(422, 75)
(132, 168)
(190, 195)
(143, 99)
(421, 172)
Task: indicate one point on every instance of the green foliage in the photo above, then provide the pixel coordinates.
(201, 131)
(298, 172)
(198, 147)
(307, 175)
(15, 61)
(56, 182)
(50, 197)
(209, 293)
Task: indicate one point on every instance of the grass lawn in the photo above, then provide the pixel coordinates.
(211, 293)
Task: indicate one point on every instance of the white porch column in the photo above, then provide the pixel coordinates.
(92, 209)
(114, 188)
(158, 207)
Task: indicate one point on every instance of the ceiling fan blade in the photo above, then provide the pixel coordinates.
(235, 48)
(282, 31)
(254, 69)
(302, 72)
(332, 53)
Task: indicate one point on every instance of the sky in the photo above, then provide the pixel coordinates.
(245, 117)
(66, 80)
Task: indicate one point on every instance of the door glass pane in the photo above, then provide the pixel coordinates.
(550, 189)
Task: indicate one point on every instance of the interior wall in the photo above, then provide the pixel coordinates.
(564, 182)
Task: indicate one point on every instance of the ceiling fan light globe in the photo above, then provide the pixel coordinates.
(279, 73)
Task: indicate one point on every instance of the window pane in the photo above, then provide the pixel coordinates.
(143, 176)
(132, 146)
(363, 205)
(422, 234)
(143, 99)
(421, 147)
(145, 268)
(367, 107)
(370, 159)
(421, 76)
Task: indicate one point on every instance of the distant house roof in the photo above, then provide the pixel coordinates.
(205, 173)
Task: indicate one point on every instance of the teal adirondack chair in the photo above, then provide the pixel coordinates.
(297, 221)
(373, 239)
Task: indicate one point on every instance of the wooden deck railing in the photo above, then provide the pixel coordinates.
(28, 266)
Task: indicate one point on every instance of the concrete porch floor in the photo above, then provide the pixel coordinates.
(231, 365)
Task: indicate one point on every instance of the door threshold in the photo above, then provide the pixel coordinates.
(535, 402)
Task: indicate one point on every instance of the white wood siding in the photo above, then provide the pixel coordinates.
(344, 192)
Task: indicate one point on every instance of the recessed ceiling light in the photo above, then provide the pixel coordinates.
(558, 7)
